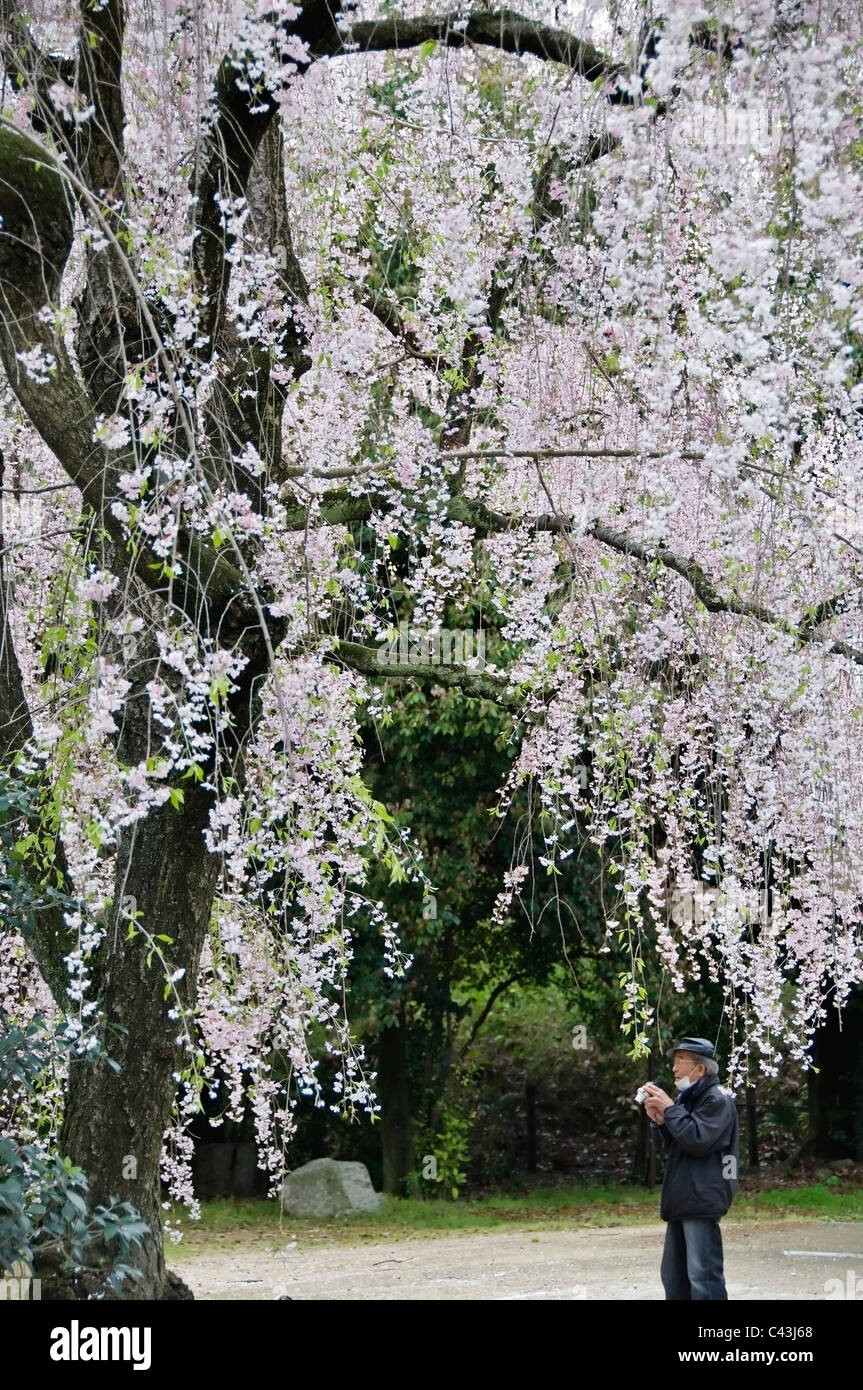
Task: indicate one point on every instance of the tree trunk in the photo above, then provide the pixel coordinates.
(836, 1092)
(752, 1126)
(397, 1140)
(530, 1125)
(115, 1120)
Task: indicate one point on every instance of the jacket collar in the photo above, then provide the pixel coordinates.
(697, 1089)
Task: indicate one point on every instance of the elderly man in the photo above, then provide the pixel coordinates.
(699, 1132)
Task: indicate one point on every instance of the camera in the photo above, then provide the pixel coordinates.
(640, 1095)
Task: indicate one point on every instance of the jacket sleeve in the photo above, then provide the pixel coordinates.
(662, 1133)
(700, 1130)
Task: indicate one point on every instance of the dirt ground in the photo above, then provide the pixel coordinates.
(776, 1260)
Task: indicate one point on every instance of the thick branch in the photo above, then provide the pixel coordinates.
(703, 36)
(387, 313)
(108, 331)
(503, 29)
(50, 939)
(688, 569)
(247, 402)
(26, 64)
(825, 610)
(239, 124)
(504, 280)
(35, 225)
(486, 1010)
(484, 452)
(100, 67)
(235, 126)
(35, 237)
(487, 521)
(715, 602)
(474, 684)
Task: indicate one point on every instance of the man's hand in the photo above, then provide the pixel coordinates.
(656, 1103)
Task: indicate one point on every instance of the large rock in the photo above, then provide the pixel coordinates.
(326, 1187)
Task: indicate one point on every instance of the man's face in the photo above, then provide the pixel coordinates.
(685, 1064)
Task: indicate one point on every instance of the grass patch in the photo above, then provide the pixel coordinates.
(819, 1201)
(234, 1222)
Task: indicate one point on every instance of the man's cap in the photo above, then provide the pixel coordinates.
(699, 1047)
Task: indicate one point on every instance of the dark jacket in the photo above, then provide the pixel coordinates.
(700, 1136)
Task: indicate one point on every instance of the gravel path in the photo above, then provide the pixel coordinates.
(777, 1260)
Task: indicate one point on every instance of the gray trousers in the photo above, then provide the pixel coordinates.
(692, 1260)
